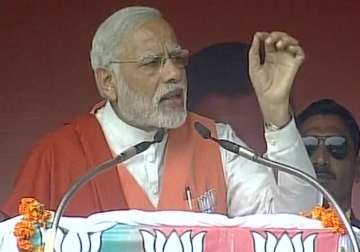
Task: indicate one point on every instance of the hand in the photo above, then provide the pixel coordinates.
(273, 78)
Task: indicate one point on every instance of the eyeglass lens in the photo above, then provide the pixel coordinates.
(180, 59)
(335, 145)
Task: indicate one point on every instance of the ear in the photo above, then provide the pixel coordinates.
(105, 83)
(357, 169)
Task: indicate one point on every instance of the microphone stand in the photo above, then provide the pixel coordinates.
(251, 155)
(312, 181)
(103, 167)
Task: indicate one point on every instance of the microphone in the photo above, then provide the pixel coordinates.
(226, 144)
(251, 155)
(105, 166)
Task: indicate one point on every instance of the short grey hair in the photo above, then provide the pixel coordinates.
(111, 32)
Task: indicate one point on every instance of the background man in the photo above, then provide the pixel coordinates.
(332, 138)
(139, 68)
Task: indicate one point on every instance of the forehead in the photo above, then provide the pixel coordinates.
(324, 125)
(152, 36)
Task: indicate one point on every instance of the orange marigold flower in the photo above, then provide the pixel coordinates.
(25, 246)
(32, 210)
(25, 203)
(328, 218)
(34, 216)
(24, 230)
(46, 215)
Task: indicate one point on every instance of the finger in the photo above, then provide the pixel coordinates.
(284, 42)
(276, 41)
(262, 35)
(276, 35)
(255, 49)
(297, 52)
(281, 40)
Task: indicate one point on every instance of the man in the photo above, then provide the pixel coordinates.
(139, 68)
(332, 138)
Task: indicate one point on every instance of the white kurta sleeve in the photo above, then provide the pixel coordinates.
(252, 188)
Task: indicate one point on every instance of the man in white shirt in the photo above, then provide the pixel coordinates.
(331, 136)
(139, 68)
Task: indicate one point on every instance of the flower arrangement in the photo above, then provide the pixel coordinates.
(33, 218)
(328, 218)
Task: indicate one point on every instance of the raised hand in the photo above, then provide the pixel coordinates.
(274, 59)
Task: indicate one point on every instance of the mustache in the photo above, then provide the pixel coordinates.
(324, 171)
(166, 89)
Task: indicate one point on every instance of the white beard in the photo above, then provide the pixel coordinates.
(147, 112)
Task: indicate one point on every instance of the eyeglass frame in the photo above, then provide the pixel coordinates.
(152, 59)
(322, 140)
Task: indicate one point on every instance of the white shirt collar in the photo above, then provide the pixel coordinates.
(119, 134)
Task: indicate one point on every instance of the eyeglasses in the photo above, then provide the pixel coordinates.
(335, 145)
(153, 63)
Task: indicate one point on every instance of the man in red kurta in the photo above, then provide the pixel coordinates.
(139, 69)
(68, 153)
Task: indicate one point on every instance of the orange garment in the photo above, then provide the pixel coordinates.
(61, 157)
(189, 161)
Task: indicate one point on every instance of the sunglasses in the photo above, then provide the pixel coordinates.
(335, 145)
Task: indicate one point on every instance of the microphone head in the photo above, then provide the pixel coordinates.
(202, 130)
(159, 135)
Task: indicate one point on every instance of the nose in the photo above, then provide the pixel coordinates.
(171, 73)
(321, 156)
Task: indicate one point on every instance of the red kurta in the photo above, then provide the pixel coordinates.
(61, 157)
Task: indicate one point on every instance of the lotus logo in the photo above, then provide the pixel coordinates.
(158, 242)
(79, 240)
(271, 243)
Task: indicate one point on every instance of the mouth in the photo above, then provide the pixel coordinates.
(174, 97)
(322, 176)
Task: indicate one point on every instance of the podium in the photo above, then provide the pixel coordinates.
(173, 231)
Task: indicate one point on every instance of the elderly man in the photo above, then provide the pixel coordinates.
(332, 139)
(139, 67)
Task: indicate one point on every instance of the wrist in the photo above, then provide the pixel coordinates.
(270, 127)
(277, 118)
